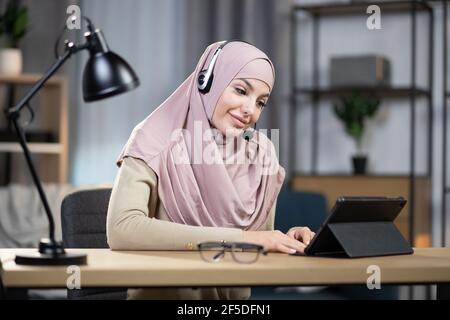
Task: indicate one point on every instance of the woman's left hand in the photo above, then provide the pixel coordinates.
(303, 234)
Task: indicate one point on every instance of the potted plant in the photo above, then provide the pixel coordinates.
(13, 26)
(353, 110)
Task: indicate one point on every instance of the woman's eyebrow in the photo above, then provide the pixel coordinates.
(251, 88)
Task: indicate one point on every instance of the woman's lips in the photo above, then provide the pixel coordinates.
(238, 122)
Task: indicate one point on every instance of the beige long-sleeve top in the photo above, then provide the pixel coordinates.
(137, 220)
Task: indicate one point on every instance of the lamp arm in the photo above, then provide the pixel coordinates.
(13, 114)
(71, 49)
(34, 175)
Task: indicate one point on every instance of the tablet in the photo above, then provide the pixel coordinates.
(361, 227)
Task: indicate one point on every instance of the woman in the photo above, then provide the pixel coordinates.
(180, 181)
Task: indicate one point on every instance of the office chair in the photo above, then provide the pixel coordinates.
(300, 209)
(83, 219)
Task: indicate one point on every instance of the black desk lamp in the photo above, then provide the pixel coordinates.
(105, 75)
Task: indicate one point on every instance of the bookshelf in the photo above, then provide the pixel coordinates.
(416, 218)
(47, 135)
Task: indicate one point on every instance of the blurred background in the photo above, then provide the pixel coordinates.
(358, 99)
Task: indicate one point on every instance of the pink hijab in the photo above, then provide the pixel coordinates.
(221, 194)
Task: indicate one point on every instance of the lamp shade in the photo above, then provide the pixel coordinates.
(106, 74)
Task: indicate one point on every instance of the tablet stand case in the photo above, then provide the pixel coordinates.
(361, 239)
(361, 227)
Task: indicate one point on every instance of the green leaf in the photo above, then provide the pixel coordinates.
(20, 25)
(14, 22)
(353, 110)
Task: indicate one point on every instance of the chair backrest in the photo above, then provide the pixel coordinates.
(300, 209)
(83, 222)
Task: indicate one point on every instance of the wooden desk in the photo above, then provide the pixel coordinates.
(108, 268)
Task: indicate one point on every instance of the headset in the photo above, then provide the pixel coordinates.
(206, 76)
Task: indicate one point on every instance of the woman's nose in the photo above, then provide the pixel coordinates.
(248, 107)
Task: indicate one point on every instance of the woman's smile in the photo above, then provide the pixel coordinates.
(238, 121)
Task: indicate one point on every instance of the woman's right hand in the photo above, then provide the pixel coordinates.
(274, 241)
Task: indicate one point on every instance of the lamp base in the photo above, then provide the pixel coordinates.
(40, 259)
(51, 253)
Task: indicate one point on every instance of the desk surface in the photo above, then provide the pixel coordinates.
(185, 268)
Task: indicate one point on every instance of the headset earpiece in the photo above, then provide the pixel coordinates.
(202, 78)
(205, 77)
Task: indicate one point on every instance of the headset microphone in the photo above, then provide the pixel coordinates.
(248, 133)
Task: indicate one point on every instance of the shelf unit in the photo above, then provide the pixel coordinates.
(399, 92)
(35, 147)
(352, 8)
(411, 91)
(446, 93)
(51, 109)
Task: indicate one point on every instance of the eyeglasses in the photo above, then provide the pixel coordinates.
(240, 251)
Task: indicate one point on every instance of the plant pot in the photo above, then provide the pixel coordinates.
(359, 164)
(10, 61)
